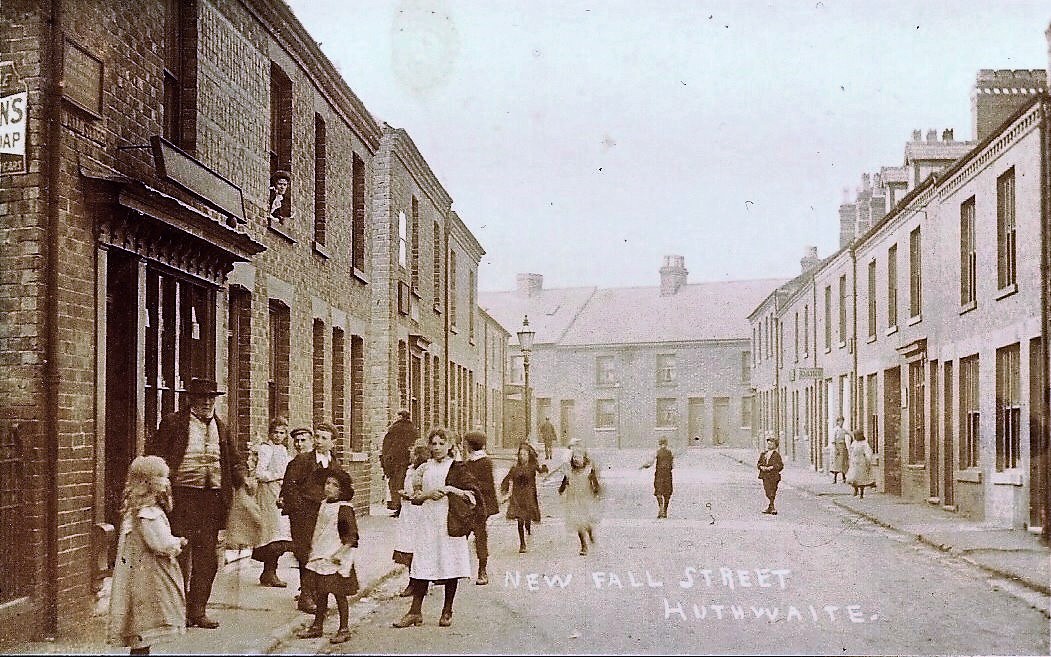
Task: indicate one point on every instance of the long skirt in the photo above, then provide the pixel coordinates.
(840, 459)
(436, 555)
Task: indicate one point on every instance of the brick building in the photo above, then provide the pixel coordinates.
(930, 324)
(621, 367)
(201, 195)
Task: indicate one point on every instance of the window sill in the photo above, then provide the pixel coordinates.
(667, 384)
(605, 429)
(892, 329)
(870, 339)
(1011, 477)
(415, 289)
(321, 250)
(971, 475)
(280, 230)
(968, 307)
(453, 329)
(915, 466)
(842, 344)
(665, 428)
(359, 275)
(437, 309)
(1007, 291)
(914, 320)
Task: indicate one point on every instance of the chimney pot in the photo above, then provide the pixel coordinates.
(915, 135)
(673, 274)
(810, 259)
(947, 135)
(530, 284)
(932, 135)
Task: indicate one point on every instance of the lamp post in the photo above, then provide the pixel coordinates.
(525, 343)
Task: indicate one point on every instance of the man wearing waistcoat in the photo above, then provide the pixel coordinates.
(206, 467)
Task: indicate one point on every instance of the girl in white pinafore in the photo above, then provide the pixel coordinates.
(405, 532)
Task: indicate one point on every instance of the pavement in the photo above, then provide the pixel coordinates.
(1014, 554)
(258, 620)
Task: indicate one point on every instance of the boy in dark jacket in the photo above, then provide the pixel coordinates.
(481, 468)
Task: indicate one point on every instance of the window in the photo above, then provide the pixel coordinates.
(873, 412)
(665, 368)
(968, 254)
(517, 374)
(415, 254)
(667, 413)
(760, 352)
(358, 200)
(470, 302)
(797, 337)
(1008, 408)
(828, 317)
(746, 412)
(174, 46)
(872, 299)
(357, 393)
(806, 329)
(605, 414)
(318, 388)
(780, 343)
(436, 264)
(755, 344)
(1006, 265)
(319, 179)
(843, 309)
(339, 373)
(970, 435)
(452, 287)
(436, 389)
(917, 426)
(746, 369)
(892, 286)
(280, 123)
(604, 374)
(915, 274)
(403, 239)
(280, 347)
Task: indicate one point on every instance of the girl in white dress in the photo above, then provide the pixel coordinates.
(275, 536)
(438, 557)
(405, 532)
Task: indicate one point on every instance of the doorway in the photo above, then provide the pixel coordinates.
(122, 330)
(948, 496)
(935, 439)
(566, 420)
(720, 420)
(1038, 447)
(892, 431)
(695, 420)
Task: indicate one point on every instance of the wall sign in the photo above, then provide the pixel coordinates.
(82, 78)
(14, 108)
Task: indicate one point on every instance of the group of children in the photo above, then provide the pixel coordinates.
(148, 598)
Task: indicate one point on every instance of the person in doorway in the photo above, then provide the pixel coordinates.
(580, 490)
(395, 457)
(840, 460)
(770, 466)
(547, 436)
(859, 475)
(441, 553)
(481, 468)
(147, 598)
(331, 565)
(206, 468)
(663, 463)
(302, 493)
(275, 537)
(523, 505)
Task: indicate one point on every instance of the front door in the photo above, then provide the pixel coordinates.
(566, 420)
(695, 420)
(720, 420)
(892, 431)
(1038, 448)
(122, 285)
(934, 442)
(948, 431)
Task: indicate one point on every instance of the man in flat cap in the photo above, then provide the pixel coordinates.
(206, 466)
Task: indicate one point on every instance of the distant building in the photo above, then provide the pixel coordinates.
(622, 367)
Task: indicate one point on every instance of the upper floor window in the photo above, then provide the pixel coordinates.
(968, 254)
(517, 374)
(320, 171)
(746, 368)
(843, 308)
(828, 317)
(403, 239)
(436, 264)
(806, 329)
(892, 286)
(797, 336)
(604, 372)
(1006, 263)
(470, 302)
(280, 120)
(667, 413)
(452, 287)
(358, 201)
(666, 368)
(915, 274)
(415, 252)
(872, 298)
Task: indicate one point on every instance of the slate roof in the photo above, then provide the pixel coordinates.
(550, 311)
(699, 311)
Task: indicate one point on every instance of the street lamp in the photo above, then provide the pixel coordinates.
(525, 343)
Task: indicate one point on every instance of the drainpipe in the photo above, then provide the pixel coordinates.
(53, 102)
(1045, 314)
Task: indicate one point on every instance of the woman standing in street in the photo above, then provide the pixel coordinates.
(840, 461)
(446, 495)
(520, 480)
(579, 490)
(770, 466)
(859, 475)
(662, 480)
(275, 537)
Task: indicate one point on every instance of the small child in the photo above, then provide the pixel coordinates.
(405, 532)
(523, 504)
(331, 562)
(147, 600)
(580, 489)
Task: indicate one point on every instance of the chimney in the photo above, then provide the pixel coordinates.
(997, 94)
(866, 184)
(810, 259)
(915, 135)
(530, 284)
(847, 223)
(673, 274)
(932, 135)
(947, 135)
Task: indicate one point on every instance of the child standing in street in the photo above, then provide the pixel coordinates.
(331, 562)
(405, 532)
(579, 490)
(481, 468)
(662, 478)
(859, 474)
(147, 599)
(520, 480)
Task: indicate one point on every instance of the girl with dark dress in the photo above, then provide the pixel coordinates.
(521, 481)
(662, 481)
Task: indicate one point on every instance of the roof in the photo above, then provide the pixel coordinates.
(937, 150)
(551, 312)
(699, 311)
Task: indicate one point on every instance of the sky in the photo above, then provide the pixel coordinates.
(585, 140)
